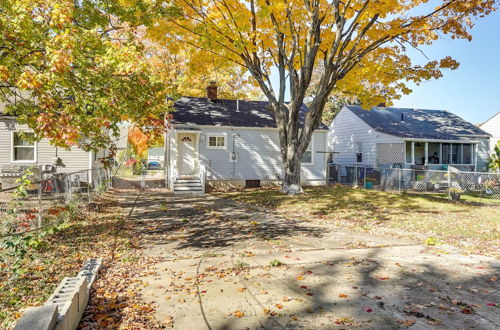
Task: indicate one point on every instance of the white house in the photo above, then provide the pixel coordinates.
(407, 138)
(232, 143)
(492, 126)
(17, 154)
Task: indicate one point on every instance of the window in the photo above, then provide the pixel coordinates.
(22, 149)
(307, 156)
(359, 152)
(216, 142)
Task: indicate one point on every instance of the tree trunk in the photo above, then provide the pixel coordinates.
(291, 183)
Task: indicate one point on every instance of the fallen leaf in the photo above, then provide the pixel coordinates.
(266, 311)
(382, 278)
(309, 294)
(300, 278)
(407, 323)
(287, 299)
(342, 295)
(168, 319)
(442, 307)
(491, 304)
(238, 314)
(367, 309)
(466, 311)
(304, 287)
(242, 289)
(377, 297)
(293, 317)
(279, 306)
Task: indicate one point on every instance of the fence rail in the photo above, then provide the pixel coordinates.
(40, 202)
(476, 187)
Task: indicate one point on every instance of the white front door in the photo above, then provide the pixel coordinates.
(186, 160)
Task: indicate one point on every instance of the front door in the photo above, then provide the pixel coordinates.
(186, 160)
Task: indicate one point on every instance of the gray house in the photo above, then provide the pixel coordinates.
(17, 154)
(407, 138)
(232, 143)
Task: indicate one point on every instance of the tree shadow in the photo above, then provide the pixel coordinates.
(201, 222)
(421, 294)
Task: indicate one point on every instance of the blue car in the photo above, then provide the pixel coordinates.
(154, 165)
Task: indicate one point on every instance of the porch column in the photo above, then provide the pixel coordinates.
(413, 152)
(426, 161)
(475, 156)
(441, 153)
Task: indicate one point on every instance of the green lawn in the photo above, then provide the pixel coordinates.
(471, 227)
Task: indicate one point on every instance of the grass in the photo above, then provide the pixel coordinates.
(471, 227)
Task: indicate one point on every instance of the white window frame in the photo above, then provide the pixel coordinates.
(311, 146)
(216, 135)
(35, 152)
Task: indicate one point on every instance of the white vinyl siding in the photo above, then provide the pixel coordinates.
(258, 156)
(492, 126)
(74, 159)
(346, 131)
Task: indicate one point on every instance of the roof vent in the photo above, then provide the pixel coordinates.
(402, 117)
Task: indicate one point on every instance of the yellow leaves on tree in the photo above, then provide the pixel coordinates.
(138, 140)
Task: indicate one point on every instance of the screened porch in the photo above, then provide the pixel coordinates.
(421, 152)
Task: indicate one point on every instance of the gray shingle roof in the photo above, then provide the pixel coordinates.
(417, 123)
(202, 111)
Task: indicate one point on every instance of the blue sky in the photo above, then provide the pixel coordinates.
(473, 90)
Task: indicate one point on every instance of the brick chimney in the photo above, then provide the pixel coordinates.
(212, 91)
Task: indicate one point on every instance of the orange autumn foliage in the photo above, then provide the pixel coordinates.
(138, 140)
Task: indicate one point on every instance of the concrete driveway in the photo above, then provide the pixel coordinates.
(226, 265)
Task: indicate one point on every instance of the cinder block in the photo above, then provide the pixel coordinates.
(39, 318)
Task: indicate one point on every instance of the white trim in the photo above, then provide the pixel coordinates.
(442, 141)
(35, 152)
(240, 127)
(216, 135)
(312, 152)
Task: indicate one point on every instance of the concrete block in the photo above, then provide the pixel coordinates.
(66, 305)
(90, 270)
(39, 318)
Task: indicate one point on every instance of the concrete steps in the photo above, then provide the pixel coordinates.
(188, 186)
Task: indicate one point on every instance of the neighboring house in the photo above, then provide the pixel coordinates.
(492, 126)
(407, 138)
(236, 142)
(17, 154)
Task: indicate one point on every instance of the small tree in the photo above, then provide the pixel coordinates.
(495, 158)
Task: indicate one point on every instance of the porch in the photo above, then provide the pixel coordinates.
(429, 154)
(186, 174)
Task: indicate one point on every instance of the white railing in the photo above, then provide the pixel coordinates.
(203, 177)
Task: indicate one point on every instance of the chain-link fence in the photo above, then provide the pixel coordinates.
(33, 205)
(125, 176)
(475, 187)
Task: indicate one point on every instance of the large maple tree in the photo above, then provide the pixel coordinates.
(360, 46)
(72, 70)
